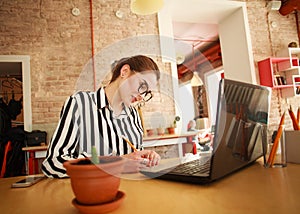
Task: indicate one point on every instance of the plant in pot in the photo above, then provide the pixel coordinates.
(95, 182)
(160, 131)
(172, 127)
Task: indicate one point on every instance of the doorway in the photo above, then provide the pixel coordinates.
(232, 21)
(16, 84)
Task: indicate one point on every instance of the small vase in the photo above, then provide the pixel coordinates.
(150, 132)
(171, 130)
(160, 131)
(95, 184)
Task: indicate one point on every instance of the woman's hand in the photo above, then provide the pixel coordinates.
(140, 159)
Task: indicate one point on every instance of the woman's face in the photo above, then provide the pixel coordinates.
(135, 85)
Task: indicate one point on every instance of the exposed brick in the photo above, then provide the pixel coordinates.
(59, 45)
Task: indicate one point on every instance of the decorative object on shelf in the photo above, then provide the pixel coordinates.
(160, 131)
(171, 128)
(176, 119)
(95, 182)
(146, 7)
(150, 132)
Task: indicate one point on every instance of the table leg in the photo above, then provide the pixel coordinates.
(31, 162)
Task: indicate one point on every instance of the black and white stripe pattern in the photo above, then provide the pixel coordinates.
(87, 120)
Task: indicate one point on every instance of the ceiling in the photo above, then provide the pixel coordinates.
(193, 35)
(200, 11)
(195, 23)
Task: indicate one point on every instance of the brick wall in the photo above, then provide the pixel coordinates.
(270, 33)
(59, 45)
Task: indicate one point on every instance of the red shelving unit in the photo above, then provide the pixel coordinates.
(278, 73)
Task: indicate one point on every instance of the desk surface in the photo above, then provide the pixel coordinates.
(252, 190)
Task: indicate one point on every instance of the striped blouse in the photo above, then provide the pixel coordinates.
(87, 120)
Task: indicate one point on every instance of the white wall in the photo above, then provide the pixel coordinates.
(236, 47)
(212, 80)
(186, 105)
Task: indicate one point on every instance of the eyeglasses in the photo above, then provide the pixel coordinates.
(144, 92)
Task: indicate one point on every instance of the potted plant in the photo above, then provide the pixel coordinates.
(95, 181)
(160, 131)
(172, 127)
(150, 132)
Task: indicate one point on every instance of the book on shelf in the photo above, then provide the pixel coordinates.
(298, 90)
(279, 80)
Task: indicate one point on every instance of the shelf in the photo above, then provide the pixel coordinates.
(294, 54)
(282, 86)
(279, 72)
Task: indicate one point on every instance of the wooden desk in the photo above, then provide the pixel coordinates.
(34, 152)
(253, 190)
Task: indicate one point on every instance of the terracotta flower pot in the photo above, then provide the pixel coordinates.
(95, 184)
(171, 130)
(150, 132)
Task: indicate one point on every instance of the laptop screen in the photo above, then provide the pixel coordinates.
(240, 135)
(241, 126)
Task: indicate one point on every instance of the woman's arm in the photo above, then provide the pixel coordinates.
(63, 144)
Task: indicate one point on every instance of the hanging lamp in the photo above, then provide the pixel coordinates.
(146, 7)
(196, 80)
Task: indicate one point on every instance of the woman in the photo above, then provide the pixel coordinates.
(104, 118)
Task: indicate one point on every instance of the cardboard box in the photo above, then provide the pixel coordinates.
(292, 143)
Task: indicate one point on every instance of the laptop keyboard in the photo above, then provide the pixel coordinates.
(192, 167)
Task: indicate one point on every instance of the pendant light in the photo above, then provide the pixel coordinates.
(146, 7)
(196, 80)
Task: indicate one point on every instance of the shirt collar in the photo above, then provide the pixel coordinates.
(102, 102)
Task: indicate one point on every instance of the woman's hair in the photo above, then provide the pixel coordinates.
(138, 63)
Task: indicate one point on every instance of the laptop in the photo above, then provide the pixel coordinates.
(240, 137)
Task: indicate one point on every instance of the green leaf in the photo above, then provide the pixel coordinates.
(95, 158)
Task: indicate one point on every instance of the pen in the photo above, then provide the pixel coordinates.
(129, 143)
(294, 119)
(276, 142)
(298, 116)
(145, 160)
